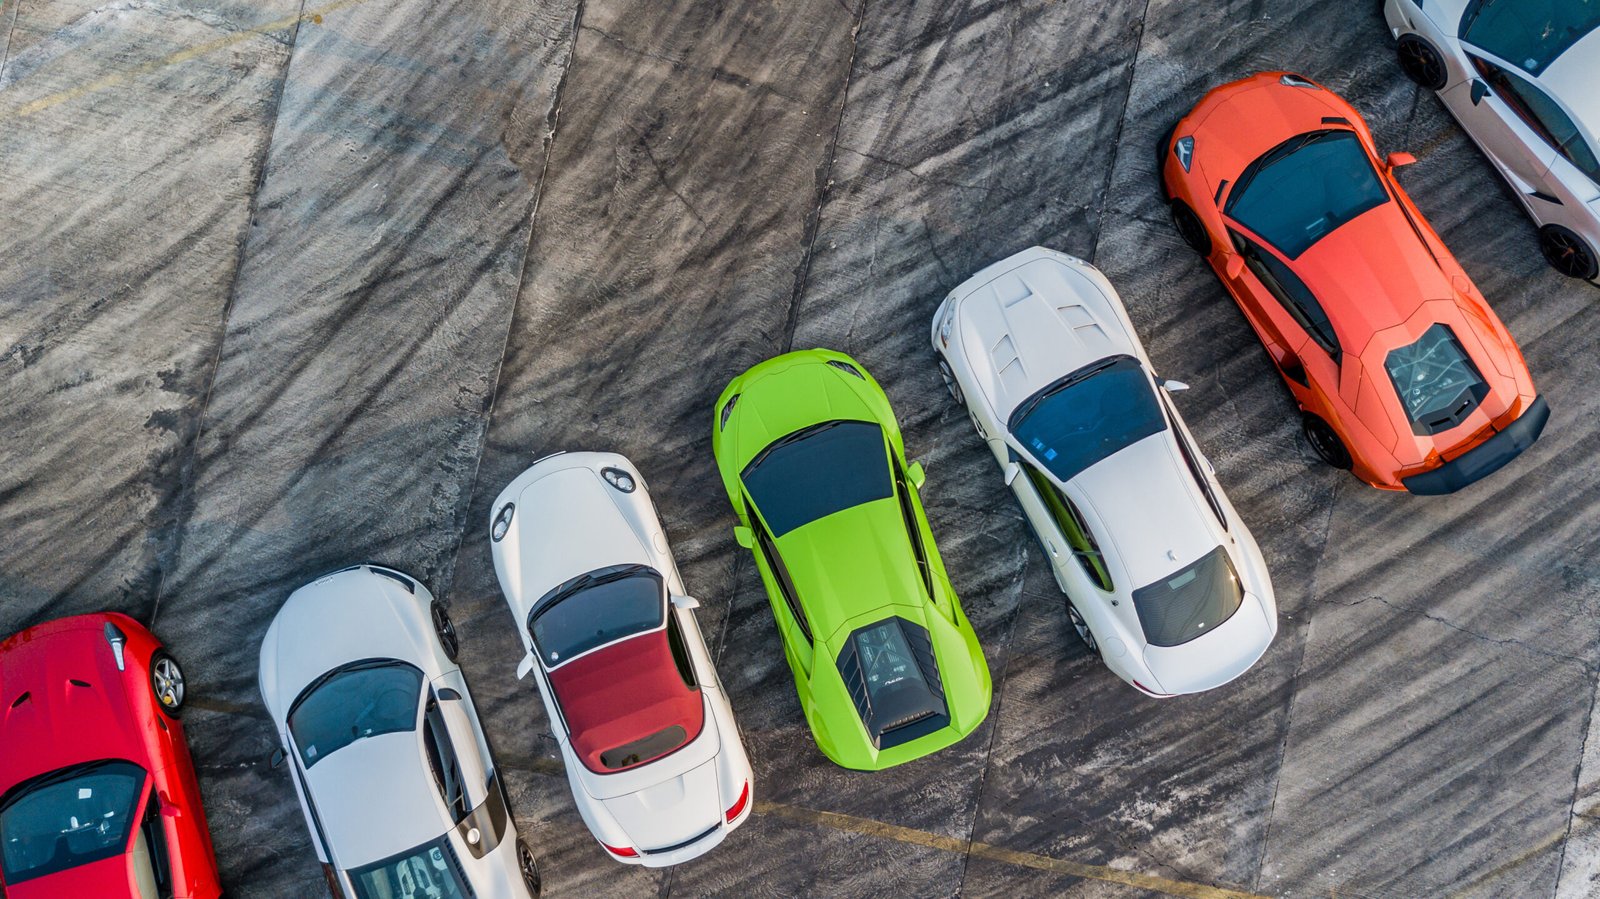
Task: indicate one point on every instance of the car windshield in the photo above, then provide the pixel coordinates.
(1179, 608)
(1438, 385)
(816, 472)
(596, 608)
(366, 699)
(1089, 415)
(889, 669)
(430, 871)
(1306, 188)
(1529, 34)
(67, 818)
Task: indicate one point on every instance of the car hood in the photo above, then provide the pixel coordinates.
(1235, 123)
(788, 394)
(375, 798)
(1025, 327)
(850, 563)
(64, 723)
(672, 811)
(1216, 657)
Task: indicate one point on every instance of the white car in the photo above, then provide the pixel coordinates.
(651, 749)
(387, 756)
(1163, 580)
(1523, 78)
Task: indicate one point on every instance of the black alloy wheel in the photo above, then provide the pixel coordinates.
(1325, 442)
(1421, 62)
(446, 629)
(528, 866)
(1082, 627)
(950, 382)
(1189, 228)
(166, 682)
(1567, 252)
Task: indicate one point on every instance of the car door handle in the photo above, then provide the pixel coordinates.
(1051, 545)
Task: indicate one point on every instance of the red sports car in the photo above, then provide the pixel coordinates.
(1403, 373)
(99, 794)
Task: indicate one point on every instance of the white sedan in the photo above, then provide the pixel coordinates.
(1521, 77)
(384, 746)
(652, 753)
(1163, 580)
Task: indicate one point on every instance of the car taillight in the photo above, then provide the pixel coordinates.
(738, 806)
(622, 851)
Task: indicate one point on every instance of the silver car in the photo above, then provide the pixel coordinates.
(384, 746)
(1521, 76)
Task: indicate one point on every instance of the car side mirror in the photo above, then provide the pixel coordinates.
(1172, 386)
(276, 759)
(168, 810)
(525, 666)
(916, 475)
(1397, 160)
(743, 536)
(449, 693)
(1479, 90)
(1012, 470)
(1235, 265)
(685, 602)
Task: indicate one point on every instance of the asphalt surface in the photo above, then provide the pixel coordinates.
(288, 286)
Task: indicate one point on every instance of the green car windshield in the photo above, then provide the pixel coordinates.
(1529, 34)
(1089, 415)
(818, 471)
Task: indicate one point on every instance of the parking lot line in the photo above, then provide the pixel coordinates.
(184, 55)
(870, 827)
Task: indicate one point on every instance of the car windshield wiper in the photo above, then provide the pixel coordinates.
(70, 772)
(1082, 374)
(787, 439)
(1287, 148)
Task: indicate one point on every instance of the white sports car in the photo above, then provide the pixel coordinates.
(390, 763)
(1523, 78)
(656, 764)
(1163, 580)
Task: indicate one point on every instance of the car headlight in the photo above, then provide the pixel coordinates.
(847, 368)
(1184, 150)
(948, 323)
(1292, 80)
(502, 522)
(619, 479)
(728, 409)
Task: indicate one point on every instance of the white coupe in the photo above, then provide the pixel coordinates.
(654, 758)
(384, 746)
(1163, 580)
(1523, 78)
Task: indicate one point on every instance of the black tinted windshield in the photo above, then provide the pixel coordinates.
(890, 671)
(431, 870)
(68, 818)
(1305, 189)
(596, 608)
(816, 472)
(1438, 385)
(1187, 604)
(367, 699)
(1529, 34)
(1088, 415)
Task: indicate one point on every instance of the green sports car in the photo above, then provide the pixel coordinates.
(887, 666)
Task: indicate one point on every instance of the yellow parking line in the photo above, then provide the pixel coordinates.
(100, 84)
(995, 853)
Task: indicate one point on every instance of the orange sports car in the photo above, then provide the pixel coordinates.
(1402, 372)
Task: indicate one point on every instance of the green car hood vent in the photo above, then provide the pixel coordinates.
(889, 668)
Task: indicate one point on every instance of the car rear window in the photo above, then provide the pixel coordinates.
(1529, 34)
(1087, 416)
(1179, 608)
(366, 699)
(597, 608)
(1438, 384)
(818, 471)
(893, 679)
(1306, 188)
(431, 870)
(68, 818)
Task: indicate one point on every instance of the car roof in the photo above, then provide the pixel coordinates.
(622, 693)
(1026, 325)
(376, 797)
(1572, 77)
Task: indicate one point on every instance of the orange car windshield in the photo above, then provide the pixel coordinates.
(1306, 188)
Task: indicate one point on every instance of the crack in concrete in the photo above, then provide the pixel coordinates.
(661, 173)
(1588, 667)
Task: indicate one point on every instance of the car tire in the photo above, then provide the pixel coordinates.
(1422, 62)
(1568, 253)
(167, 683)
(1325, 442)
(950, 382)
(1189, 227)
(1081, 627)
(528, 867)
(445, 630)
